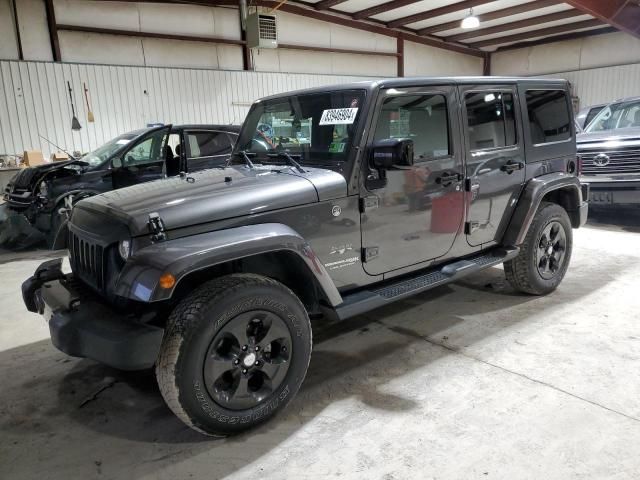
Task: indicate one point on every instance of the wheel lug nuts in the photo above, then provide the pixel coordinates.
(236, 361)
(257, 364)
(244, 348)
(257, 349)
(244, 370)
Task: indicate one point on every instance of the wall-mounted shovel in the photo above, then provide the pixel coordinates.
(86, 97)
(75, 124)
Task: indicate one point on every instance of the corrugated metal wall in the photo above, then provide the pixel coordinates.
(602, 85)
(34, 100)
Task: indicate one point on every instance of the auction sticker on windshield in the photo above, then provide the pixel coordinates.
(338, 116)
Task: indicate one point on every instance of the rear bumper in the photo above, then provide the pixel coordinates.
(87, 327)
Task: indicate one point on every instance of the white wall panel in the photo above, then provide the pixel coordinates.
(423, 60)
(34, 100)
(8, 44)
(583, 53)
(602, 85)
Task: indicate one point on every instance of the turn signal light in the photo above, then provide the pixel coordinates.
(167, 280)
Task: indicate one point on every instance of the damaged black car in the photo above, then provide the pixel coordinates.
(39, 199)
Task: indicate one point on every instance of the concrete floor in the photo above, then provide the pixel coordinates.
(467, 381)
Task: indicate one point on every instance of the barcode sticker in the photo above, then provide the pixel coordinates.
(338, 116)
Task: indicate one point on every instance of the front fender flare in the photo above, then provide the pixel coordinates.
(182, 256)
(530, 200)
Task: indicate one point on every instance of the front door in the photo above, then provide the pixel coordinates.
(142, 162)
(495, 159)
(414, 215)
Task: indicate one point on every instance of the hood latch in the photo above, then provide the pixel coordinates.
(156, 227)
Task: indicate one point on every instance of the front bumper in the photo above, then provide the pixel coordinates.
(83, 326)
(614, 192)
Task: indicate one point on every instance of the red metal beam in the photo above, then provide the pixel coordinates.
(326, 4)
(436, 12)
(541, 32)
(622, 14)
(383, 7)
(495, 15)
(505, 27)
(400, 52)
(134, 33)
(558, 38)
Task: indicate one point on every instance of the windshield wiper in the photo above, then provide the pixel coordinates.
(245, 155)
(289, 158)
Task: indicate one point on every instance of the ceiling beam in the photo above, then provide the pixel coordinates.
(327, 4)
(558, 38)
(541, 32)
(505, 27)
(622, 14)
(495, 15)
(383, 7)
(436, 12)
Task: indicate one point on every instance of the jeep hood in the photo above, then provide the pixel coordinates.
(216, 194)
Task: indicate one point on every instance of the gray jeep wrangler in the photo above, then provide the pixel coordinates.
(336, 201)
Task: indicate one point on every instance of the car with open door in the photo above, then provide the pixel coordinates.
(40, 198)
(337, 201)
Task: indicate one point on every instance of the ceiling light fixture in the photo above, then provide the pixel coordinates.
(470, 21)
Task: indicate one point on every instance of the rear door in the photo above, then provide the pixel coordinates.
(206, 149)
(495, 161)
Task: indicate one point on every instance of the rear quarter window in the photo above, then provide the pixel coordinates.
(549, 116)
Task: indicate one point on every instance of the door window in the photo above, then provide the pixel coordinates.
(549, 117)
(421, 118)
(150, 150)
(208, 144)
(490, 119)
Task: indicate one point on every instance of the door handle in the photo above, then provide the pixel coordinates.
(448, 178)
(512, 167)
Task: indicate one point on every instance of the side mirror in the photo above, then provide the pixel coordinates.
(391, 153)
(116, 162)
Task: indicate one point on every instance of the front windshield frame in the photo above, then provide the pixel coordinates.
(252, 141)
(107, 151)
(597, 124)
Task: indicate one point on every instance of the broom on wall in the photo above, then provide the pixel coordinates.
(86, 97)
(75, 124)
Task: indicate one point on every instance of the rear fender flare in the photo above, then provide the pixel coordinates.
(531, 197)
(180, 257)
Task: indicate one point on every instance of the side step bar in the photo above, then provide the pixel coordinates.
(397, 289)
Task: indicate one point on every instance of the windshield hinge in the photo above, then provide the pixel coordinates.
(156, 227)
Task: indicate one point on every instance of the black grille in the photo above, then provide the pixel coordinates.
(87, 260)
(618, 161)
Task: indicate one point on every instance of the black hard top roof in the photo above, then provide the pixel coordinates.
(407, 82)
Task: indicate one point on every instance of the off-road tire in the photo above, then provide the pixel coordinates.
(191, 329)
(522, 272)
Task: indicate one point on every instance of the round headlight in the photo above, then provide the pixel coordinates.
(124, 249)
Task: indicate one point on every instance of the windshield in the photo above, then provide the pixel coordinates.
(103, 153)
(615, 116)
(316, 128)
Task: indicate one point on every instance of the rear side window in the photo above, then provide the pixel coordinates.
(549, 117)
(490, 119)
(208, 144)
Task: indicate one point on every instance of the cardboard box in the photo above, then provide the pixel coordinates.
(59, 157)
(32, 158)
